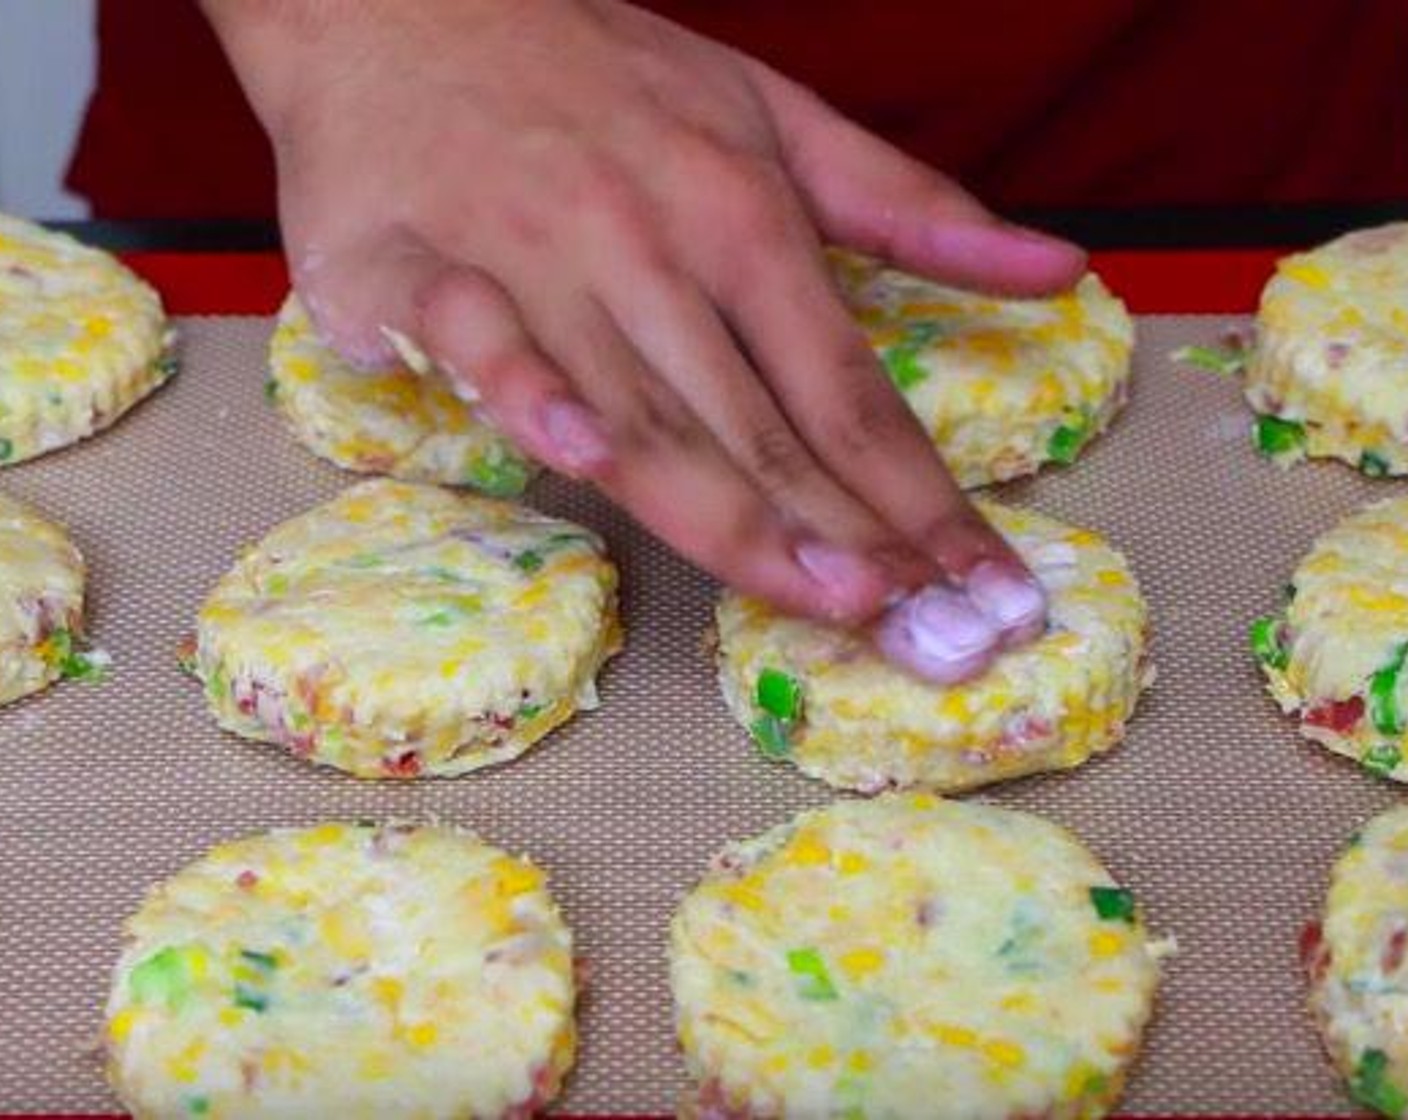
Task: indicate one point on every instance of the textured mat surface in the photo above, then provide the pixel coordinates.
(1220, 818)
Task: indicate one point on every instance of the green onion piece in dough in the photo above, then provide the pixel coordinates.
(1374, 465)
(1371, 1087)
(1226, 363)
(6, 449)
(271, 390)
(1113, 904)
(1382, 759)
(167, 976)
(1276, 437)
(904, 367)
(773, 736)
(499, 475)
(528, 562)
(1067, 441)
(250, 999)
(779, 694)
(71, 664)
(813, 980)
(903, 362)
(1267, 645)
(266, 962)
(1384, 709)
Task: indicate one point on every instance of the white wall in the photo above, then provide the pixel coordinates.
(48, 55)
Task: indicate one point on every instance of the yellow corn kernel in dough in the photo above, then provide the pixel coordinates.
(860, 963)
(807, 851)
(1307, 273)
(121, 1024)
(1004, 1054)
(422, 1035)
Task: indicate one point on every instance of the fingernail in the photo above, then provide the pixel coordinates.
(1014, 602)
(575, 440)
(414, 357)
(849, 583)
(460, 383)
(939, 634)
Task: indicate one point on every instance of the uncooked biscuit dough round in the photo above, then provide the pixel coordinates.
(1329, 369)
(401, 630)
(344, 971)
(41, 602)
(1002, 386)
(1335, 658)
(81, 340)
(823, 698)
(405, 422)
(1359, 969)
(909, 957)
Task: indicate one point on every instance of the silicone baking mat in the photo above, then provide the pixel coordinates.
(1213, 810)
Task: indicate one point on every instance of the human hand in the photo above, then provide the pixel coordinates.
(610, 231)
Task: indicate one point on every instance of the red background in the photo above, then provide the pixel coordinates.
(1092, 103)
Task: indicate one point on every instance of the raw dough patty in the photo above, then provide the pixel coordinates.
(404, 423)
(1356, 958)
(401, 630)
(1335, 659)
(1329, 370)
(344, 971)
(41, 603)
(1002, 386)
(81, 340)
(823, 698)
(910, 957)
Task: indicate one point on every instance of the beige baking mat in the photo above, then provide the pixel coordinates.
(1213, 810)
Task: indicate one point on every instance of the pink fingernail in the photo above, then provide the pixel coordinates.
(575, 441)
(460, 383)
(939, 634)
(1015, 603)
(849, 583)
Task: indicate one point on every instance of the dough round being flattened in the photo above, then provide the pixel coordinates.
(347, 971)
(1335, 659)
(82, 340)
(401, 630)
(1329, 370)
(1356, 958)
(402, 423)
(824, 699)
(878, 957)
(41, 601)
(1002, 386)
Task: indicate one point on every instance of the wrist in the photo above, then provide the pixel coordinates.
(275, 46)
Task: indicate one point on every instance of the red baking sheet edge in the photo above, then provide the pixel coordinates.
(1219, 281)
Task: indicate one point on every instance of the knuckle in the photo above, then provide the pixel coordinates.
(866, 417)
(748, 198)
(451, 294)
(777, 458)
(599, 184)
(657, 428)
(951, 527)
